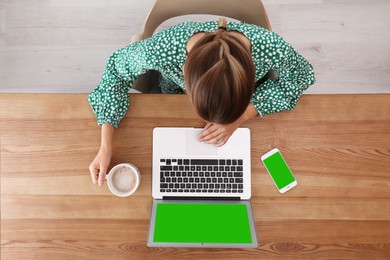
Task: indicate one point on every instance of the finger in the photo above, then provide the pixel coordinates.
(206, 132)
(102, 174)
(213, 137)
(94, 173)
(216, 139)
(222, 142)
(207, 126)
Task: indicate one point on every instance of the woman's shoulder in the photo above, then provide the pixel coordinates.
(169, 45)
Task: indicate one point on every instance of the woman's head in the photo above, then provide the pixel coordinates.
(219, 75)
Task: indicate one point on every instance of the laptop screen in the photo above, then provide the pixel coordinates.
(202, 223)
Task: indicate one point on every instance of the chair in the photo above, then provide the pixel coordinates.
(249, 11)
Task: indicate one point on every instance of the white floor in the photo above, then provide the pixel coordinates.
(60, 46)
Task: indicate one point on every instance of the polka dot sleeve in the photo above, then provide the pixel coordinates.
(110, 100)
(295, 74)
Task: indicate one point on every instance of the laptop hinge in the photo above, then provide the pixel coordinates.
(199, 198)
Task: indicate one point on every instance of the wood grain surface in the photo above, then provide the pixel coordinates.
(338, 147)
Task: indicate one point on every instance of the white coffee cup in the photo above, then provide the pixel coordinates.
(123, 179)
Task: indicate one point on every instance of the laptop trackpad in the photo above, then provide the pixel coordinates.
(194, 147)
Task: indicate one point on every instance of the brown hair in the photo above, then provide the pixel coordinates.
(219, 76)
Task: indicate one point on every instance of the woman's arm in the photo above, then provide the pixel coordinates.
(99, 165)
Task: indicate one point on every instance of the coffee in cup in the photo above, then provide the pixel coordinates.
(124, 179)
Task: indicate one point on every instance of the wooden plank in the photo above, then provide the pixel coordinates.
(135, 230)
(110, 207)
(81, 239)
(310, 107)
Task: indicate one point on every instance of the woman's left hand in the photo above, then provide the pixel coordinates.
(217, 134)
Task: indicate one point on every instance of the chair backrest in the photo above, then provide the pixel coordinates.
(249, 11)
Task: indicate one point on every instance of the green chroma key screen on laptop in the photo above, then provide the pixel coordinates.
(202, 223)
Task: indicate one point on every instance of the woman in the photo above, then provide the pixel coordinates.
(221, 65)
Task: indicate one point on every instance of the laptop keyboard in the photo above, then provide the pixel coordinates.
(201, 175)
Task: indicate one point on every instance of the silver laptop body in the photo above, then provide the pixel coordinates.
(173, 144)
(226, 171)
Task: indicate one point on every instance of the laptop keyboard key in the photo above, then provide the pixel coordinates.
(204, 162)
(238, 174)
(165, 168)
(239, 180)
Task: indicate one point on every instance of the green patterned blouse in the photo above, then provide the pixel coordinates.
(166, 52)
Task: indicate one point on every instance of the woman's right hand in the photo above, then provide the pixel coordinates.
(99, 166)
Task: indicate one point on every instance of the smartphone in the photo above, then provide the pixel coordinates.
(279, 170)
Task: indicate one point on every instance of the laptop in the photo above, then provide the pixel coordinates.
(201, 192)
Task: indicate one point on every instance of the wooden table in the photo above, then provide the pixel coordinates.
(338, 147)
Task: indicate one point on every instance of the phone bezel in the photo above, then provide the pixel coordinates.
(288, 186)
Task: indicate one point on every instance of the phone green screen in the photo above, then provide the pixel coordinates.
(202, 223)
(279, 170)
